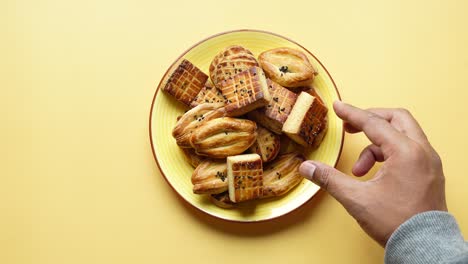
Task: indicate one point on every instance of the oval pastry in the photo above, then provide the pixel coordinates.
(267, 144)
(194, 118)
(210, 177)
(229, 62)
(222, 137)
(288, 67)
(280, 176)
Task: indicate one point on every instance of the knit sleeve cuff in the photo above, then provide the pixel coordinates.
(429, 237)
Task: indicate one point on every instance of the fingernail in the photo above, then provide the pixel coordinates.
(307, 170)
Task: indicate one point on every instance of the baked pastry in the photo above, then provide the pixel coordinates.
(222, 200)
(208, 94)
(288, 67)
(192, 157)
(312, 91)
(232, 60)
(276, 112)
(210, 177)
(222, 137)
(282, 175)
(288, 145)
(184, 81)
(245, 91)
(267, 144)
(194, 118)
(245, 177)
(307, 122)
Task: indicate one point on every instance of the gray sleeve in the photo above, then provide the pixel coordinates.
(429, 237)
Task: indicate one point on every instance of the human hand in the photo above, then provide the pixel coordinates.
(410, 181)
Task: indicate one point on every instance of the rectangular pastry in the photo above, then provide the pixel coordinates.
(245, 177)
(184, 81)
(307, 122)
(208, 94)
(245, 91)
(277, 111)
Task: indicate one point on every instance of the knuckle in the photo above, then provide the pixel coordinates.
(373, 120)
(403, 111)
(323, 178)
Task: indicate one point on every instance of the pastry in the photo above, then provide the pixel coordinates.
(282, 175)
(276, 112)
(245, 92)
(184, 81)
(222, 137)
(307, 122)
(192, 157)
(267, 144)
(312, 91)
(230, 61)
(288, 145)
(210, 177)
(193, 119)
(288, 67)
(245, 177)
(222, 200)
(208, 94)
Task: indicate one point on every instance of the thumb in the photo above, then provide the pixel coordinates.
(338, 184)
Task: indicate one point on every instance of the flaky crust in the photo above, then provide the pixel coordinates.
(280, 176)
(230, 61)
(222, 137)
(194, 118)
(273, 115)
(192, 157)
(288, 67)
(267, 144)
(210, 177)
(222, 200)
(184, 81)
(208, 94)
(245, 91)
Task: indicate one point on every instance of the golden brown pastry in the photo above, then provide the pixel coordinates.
(307, 122)
(194, 118)
(245, 177)
(209, 94)
(232, 60)
(222, 200)
(245, 91)
(312, 91)
(184, 81)
(210, 177)
(288, 145)
(276, 112)
(192, 157)
(222, 137)
(288, 67)
(267, 144)
(282, 175)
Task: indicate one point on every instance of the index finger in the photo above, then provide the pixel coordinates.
(403, 121)
(378, 130)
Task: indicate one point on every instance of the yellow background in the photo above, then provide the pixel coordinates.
(78, 182)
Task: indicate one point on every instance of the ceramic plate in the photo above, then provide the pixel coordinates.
(177, 170)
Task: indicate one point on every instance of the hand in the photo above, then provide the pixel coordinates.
(409, 182)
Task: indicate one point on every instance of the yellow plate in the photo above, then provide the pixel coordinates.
(176, 169)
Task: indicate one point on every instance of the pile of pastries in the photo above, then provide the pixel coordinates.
(248, 122)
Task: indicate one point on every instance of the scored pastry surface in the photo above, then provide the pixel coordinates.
(245, 91)
(184, 81)
(307, 121)
(245, 177)
(273, 115)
